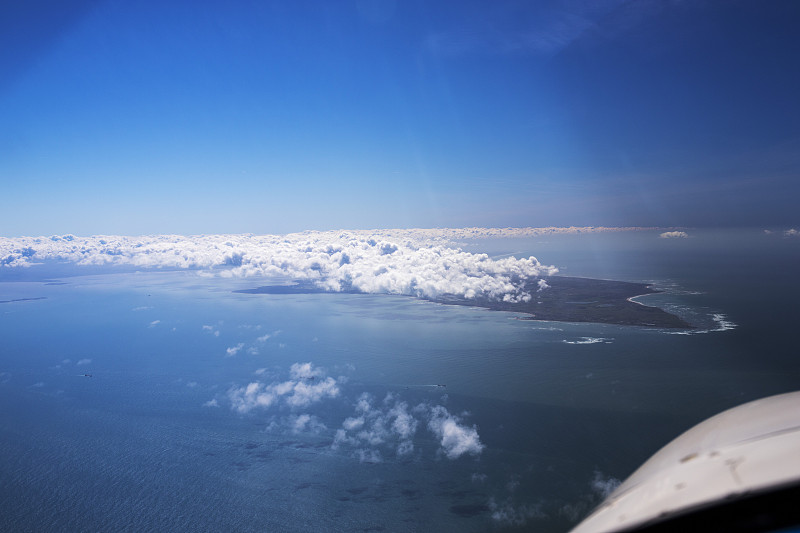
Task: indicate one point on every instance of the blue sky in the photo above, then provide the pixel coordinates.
(271, 117)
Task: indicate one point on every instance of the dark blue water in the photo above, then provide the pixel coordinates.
(152, 441)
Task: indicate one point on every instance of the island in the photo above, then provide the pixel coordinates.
(570, 299)
(566, 299)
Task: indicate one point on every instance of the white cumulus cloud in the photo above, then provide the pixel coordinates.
(211, 329)
(411, 262)
(456, 439)
(233, 350)
(507, 514)
(305, 423)
(376, 428)
(390, 427)
(603, 486)
(674, 235)
(306, 386)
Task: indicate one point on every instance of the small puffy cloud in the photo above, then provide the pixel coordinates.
(245, 399)
(154, 323)
(603, 486)
(403, 424)
(455, 438)
(211, 403)
(84, 362)
(305, 393)
(233, 350)
(674, 235)
(388, 425)
(542, 284)
(791, 233)
(306, 386)
(374, 428)
(600, 487)
(507, 514)
(405, 447)
(211, 329)
(353, 424)
(304, 371)
(305, 423)
(368, 456)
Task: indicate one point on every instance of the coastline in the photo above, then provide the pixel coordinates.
(573, 299)
(567, 299)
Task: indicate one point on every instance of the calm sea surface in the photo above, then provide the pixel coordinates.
(559, 412)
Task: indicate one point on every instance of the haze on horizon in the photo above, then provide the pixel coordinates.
(191, 118)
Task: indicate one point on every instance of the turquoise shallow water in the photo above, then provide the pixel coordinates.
(152, 441)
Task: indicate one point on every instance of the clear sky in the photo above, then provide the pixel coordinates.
(269, 117)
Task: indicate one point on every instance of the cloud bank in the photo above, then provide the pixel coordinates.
(412, 262)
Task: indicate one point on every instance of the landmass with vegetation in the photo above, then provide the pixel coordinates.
(565, 299)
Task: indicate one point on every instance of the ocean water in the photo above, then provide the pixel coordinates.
(210, 410)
